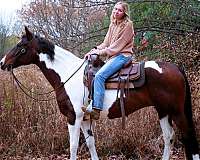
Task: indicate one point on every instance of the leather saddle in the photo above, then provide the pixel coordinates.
(132, 75)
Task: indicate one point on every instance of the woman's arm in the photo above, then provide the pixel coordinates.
(105, 42)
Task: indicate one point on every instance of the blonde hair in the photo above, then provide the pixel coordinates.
(125, 7)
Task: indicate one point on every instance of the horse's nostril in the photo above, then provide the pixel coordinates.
(2, 66)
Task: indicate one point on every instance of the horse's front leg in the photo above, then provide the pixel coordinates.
(87, 128)
(74, 133)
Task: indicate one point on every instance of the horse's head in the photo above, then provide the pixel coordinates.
(25, 52)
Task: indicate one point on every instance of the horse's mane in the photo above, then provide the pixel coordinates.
(46, 47)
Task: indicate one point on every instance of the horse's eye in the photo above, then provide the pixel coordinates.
(23, 50)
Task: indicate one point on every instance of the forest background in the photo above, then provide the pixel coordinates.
(165, 30)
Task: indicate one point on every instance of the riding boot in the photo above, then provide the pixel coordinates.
(95, 114)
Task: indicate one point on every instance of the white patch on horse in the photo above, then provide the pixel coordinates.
(109, 98)
(3, 60)
(168, 135)
(65, 64)
(154, 65)
(195, 157)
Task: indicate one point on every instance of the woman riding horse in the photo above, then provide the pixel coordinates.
(118, 45)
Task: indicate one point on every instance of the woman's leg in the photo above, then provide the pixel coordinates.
(108, 69)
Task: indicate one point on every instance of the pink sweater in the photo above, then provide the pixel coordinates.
(119, 39)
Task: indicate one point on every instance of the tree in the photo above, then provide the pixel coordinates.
(80, 25)
(4, 33)
(67, 23)
(8, 32)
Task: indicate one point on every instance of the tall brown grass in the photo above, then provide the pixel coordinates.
(28, 126)
(33, 128)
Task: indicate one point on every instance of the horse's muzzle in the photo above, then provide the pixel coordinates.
(5, 67)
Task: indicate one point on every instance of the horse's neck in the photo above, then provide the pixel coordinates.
(61, 67)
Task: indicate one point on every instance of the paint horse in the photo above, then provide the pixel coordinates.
(166, 88)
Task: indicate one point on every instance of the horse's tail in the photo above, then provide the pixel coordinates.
(192, 147)
(188, 99)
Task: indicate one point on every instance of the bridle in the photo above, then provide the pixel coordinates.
(25, 89)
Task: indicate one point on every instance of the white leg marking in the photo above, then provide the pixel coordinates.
(74, 133)
(154, 65)
(195, 157)
(85, 126)
(168, 134)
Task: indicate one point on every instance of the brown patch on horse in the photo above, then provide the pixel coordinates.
(63, 100)
(134, 100)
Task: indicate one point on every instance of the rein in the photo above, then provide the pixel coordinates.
(25, 89)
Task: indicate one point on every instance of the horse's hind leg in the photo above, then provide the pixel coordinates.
(168, 135)
(188, 136)
(86, 128)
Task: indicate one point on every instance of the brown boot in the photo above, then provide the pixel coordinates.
(95, 114)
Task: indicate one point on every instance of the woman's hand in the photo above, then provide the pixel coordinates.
(87, 55)
(93, 51)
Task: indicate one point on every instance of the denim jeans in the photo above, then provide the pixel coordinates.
(108, 69)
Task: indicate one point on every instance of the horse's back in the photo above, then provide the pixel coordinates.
(164, 72)
(166, 85)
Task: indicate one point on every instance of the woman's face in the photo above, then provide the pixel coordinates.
(118, 12)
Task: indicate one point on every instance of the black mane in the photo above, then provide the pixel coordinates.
(46, 47)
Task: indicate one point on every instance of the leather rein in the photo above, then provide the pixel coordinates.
(28, 92)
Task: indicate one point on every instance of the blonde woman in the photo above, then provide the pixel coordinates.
(117, 45)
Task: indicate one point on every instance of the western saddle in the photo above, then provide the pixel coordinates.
(131, 76)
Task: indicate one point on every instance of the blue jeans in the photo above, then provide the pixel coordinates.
(108, 69)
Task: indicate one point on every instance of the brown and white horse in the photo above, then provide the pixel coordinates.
(166, 88)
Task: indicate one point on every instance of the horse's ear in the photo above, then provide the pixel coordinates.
(29, 34)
